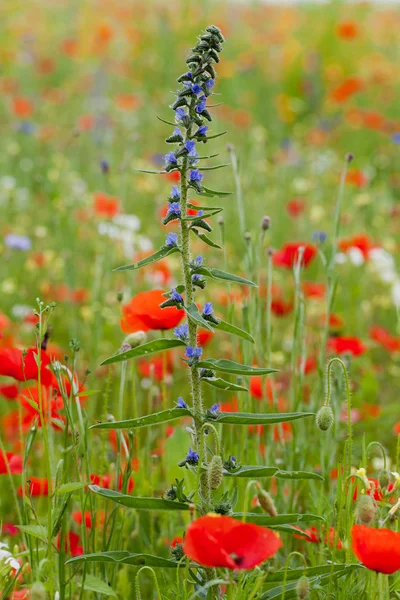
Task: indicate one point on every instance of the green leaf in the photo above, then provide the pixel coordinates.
(159, 255)
(250, 471)
(36, 531)
(144, 350)
(294, 574)
(193, 314)
(151, 171)
(209, 156)
(196, 207)
(84, 393)
(68, 488)
(126, 558)
(166, 122)
(161, 417)
(267, 521)
(221, 384)
(214, 168)
(31, 402)
(206, 215)
(94, 584)
(211, 193)
(229, 366)
(204, 238)
(223, 276)
(229, 328)
(137, 502)
(236, 418)
(298, 475)
(212, 137)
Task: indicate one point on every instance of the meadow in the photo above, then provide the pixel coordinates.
(237, 164)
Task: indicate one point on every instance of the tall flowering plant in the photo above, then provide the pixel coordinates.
(228, 542)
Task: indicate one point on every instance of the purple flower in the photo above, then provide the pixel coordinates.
(172, 240)
(319, 236)
(193, 352)
(208, 308)
(202, 130)
(195, 175)
(181, 403)
(18, 242)
(170, 159)
(182, 332)
(180, 114)
(196, 277)
(175, 193)
(196, 88)
(215, 408)
(176, 296)
(192, 458)
(200, 213)
(198, 261)
(190, 145)
(210, 83)
(105, 167)
(201, 106)
(174, 208)
(396, 138)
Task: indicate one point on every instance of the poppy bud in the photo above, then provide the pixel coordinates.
(303, 588)
(265, 223)
(215, 472)
(366, 510)
(135, 339)
(120, 297)
(267, 503)
(384, 479)
(324, 418)
(349, 157)
(38, 591)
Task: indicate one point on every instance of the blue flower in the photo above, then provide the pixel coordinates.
(174, 208)
(200, 213)
(215, 408)
(189, 75)
(176, 296)
(172, 240)
(210, 83)
(319, 236)
(396, 138)
(202, 130)
(196, 88)
(18, 242)
(180, 114)
(198, 261)
(181, 403)
(208, 308)
(193, 352)
(190, 145)
(170, 159)
(192, 458)
(182, 332)
(195, 175)
(196, 277)
(201, 106)
(105, 167)
(175, 194)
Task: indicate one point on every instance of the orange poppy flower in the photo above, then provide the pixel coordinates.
(377, 549)
(22, 107)
(106, 206)
(289, 255)
(347, 30)
(347, 89)
(143, 313)
(341, 345)
(221, 541)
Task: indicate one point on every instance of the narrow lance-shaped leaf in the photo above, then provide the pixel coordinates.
(161, 417)
(223, 385)
(159, 255)
(144, 350)
(194, 315)
(151, 172)
(204, 238)
(166, 122)
(232, 329)
(223, 276)
(236, 418)
(197, 207)
(137, 502)
(230, 366)
(288, 519)
(206, 215)
(126, 558)
(211, 193)
(298, 475)
(214, 168)
(252, 471)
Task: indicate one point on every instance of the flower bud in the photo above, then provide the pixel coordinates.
(265, 223)
(215, 472)
(384, 479)
(38, 591)
(303, 588)
(366, 510)
(135, 339)
(267, 503)
(324, 418)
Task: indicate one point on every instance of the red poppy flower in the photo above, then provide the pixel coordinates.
(314, 537)
(381, 336)
(312, 289)
(281, 307)
(288, 256)
(4, 321)
(72, 543)
(107, 482)
(22, 367)
(375, 491)
(158, 368)
(9, 529)
(295, 207)
(357, 178)
(377, 549)
(143, 312)
(347, 30)
(220, 541)
(341, 345)
(230, 406)
(36, 486)
(106, 206)
(22, 107)
(360, 241)
(348, 88)
(9, 391)
(86, 517)
(10, 462)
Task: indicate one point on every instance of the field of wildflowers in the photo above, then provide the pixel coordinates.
(200, 301)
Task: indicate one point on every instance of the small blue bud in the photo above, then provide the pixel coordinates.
(175, 193)
(181, 403)
(172, 240)
(176, 296)
(182, 332)
(174, 208)
(208, 308)
(195, 175)
(170, 159)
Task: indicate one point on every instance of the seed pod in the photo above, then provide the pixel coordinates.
(366, 510)
(325, 418)
(384, 479)
(303, 588)
(215, 472)
(267, 503)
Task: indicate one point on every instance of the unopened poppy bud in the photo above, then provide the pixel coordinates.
(247, 236)
(265, 223)
(135, 339)
(324, 418)
(120, 296)
(267, 503)
(215, 472)
(303, 588)
(366, 510)
(384, 479)
(349, 157)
